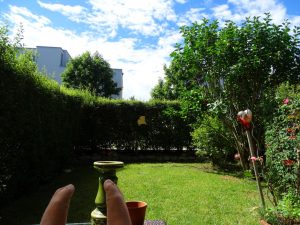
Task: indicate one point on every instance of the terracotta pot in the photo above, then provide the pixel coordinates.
(137, 211)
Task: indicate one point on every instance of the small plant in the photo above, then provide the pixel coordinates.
(213, 140)
(286, 212)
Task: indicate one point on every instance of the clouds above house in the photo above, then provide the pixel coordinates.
(136, 36)
(72, 12)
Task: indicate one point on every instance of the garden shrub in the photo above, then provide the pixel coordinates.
(287, 210)
(212, 140)
(283, 150)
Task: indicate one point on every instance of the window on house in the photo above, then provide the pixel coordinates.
(62, 61)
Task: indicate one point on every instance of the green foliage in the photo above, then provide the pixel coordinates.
(159, 91)
(164, 89)
(193, 105)
(113, 124)
(7, 51)
(38, 123)
(235, 68)
(92, 73)
(286, 212)
(282, 140)
(211, 138)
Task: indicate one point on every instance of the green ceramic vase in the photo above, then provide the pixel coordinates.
(107, 170)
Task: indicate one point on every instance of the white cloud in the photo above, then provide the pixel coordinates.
(238, 10)
(22, 12)
(222, 11)
(295, 20)
(143, 17)
(193, 15)
(73, 12)
(65, 9)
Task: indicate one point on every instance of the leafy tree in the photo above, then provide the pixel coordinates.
(164, 90)
(158, 91)
(235, 67)
(92, 73)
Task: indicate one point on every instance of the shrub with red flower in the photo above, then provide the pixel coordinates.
(288, 162)
(281, 135)
(293, 137)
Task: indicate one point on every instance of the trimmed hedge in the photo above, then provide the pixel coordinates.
(38, 129)
(113, 125)
(42, 124)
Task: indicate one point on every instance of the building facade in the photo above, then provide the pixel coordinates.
(53, 61)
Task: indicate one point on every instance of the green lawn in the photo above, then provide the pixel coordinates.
(180, 194)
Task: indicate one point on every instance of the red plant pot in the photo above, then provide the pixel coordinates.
(137, 211)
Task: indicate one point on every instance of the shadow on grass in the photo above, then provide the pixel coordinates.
(29, 208)
(230, 169)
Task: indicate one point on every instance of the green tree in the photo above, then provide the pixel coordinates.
(92, 73)
(235, 67)
(158, 91)
(164, 90)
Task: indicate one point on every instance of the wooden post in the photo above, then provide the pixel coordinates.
(298, 171)
(255, 168)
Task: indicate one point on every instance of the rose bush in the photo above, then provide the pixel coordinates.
(282, 154)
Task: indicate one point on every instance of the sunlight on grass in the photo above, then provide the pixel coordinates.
(184, 194)
(180, 194)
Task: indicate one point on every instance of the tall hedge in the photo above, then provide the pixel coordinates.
(38, 127)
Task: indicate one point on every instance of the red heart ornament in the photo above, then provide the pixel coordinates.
(245, 117)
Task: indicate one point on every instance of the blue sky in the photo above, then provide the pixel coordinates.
(136, 36)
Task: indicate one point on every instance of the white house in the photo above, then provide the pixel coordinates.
(53, 61)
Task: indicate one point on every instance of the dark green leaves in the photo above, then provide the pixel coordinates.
(92, 73)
